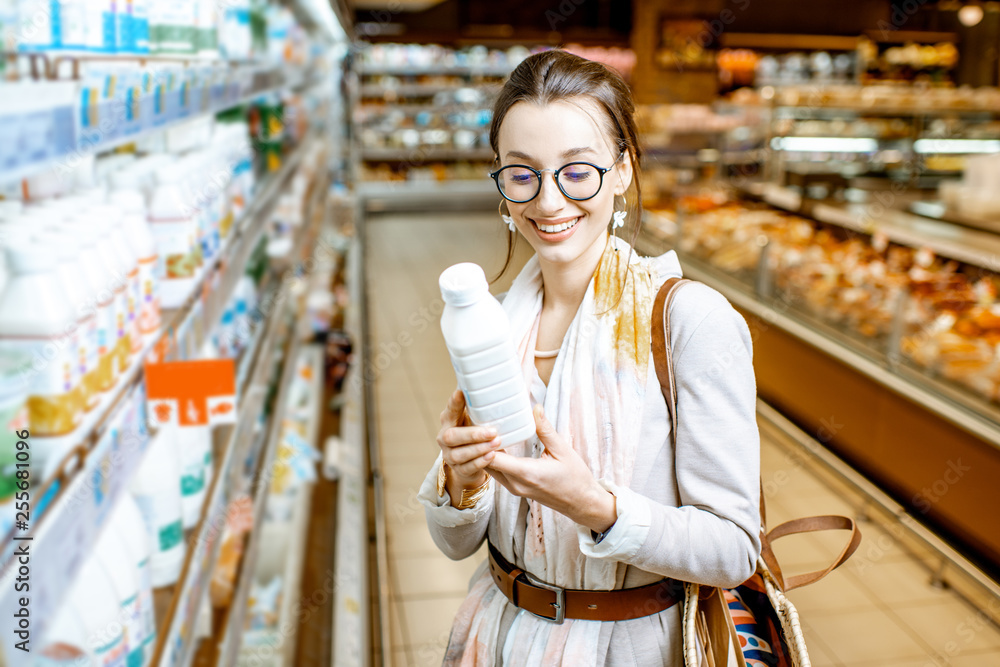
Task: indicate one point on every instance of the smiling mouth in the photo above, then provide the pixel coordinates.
(555, 229)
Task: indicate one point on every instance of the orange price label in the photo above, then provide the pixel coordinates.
(190, 393)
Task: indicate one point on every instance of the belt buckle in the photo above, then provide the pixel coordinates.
(559, 604)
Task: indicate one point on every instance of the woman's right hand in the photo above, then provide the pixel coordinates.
(467, 449)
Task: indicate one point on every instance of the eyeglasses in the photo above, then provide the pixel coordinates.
(578, 181)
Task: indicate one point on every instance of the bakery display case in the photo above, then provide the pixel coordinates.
(844, 304)
(914, 134)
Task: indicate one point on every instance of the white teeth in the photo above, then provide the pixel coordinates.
(552, 229)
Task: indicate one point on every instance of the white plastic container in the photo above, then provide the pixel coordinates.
(140, 25)
(175, 229)
(127, 520)
(96, 603)
(129, 263)
(121, 569)
(172, 27)
(477, 334)
(36, 19)
(99, 27)
(194, 447)
(140, 239)
(235, 38)
(65, 642)
(206, 30)
(156, 489)
(77, 290)
(94, 224)
(37, 319)
(101, 301)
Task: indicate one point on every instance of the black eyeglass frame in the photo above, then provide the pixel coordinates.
(495, 175)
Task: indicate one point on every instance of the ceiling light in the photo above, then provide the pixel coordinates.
(970, 15)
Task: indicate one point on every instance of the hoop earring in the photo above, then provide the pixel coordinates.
(508, 220)
(618, 217)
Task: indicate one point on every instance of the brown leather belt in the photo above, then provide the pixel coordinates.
(555, 604)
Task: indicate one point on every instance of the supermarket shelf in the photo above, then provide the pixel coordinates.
(229, 644)
(810, 108)
(938, 211)
(351, 633)
(175, 646)
(425, 154)
(485, 70)
(417, 195)
(208, 95)
(967, 245)
(935, 397)
(231, 634)
(420, 89)
(68, 512)
(180, 644)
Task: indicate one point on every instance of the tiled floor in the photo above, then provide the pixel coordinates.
(878, 610)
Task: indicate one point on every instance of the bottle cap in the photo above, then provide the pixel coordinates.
(463, 284)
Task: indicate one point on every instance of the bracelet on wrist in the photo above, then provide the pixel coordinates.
(470, 497)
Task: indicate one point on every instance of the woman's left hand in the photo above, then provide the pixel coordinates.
(559, 479)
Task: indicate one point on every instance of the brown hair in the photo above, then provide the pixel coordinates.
(552, 76)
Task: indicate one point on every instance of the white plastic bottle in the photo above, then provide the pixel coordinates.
(121, 569)
(113, 280)
(140, 239)
(77, 289)
(477, 334)
(206, 34)
(140, 25)
(156, 489)
(175, 229)
(101, 300)
(35, 26)
(99, 28)
(65, 641)
(37, 319)
(127, 520)
(172, 27)
(93, 597)
(112, 217)
(194, 447)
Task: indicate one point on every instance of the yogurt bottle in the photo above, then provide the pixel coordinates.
(127, 520)
(173, 221)
(140, 239)
(477, 333)
(156, 488)
(123, 572)
(65, 641)
(36, 319)
(77, 290)
(93, 598)
(100, 302)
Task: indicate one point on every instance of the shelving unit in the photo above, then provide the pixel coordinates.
(65, 516)
(443, 111)
(902, 133)
(194, 91)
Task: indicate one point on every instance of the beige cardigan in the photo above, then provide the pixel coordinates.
(690, 514)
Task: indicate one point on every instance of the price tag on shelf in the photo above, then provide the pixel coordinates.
(188, 393)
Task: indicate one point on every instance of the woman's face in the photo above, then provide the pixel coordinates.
(562, 230)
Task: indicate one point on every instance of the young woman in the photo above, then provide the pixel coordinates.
(591, 527)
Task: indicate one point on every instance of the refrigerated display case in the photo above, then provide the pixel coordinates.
(874, 329)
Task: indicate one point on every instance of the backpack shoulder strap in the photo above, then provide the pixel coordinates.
(662, 358)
